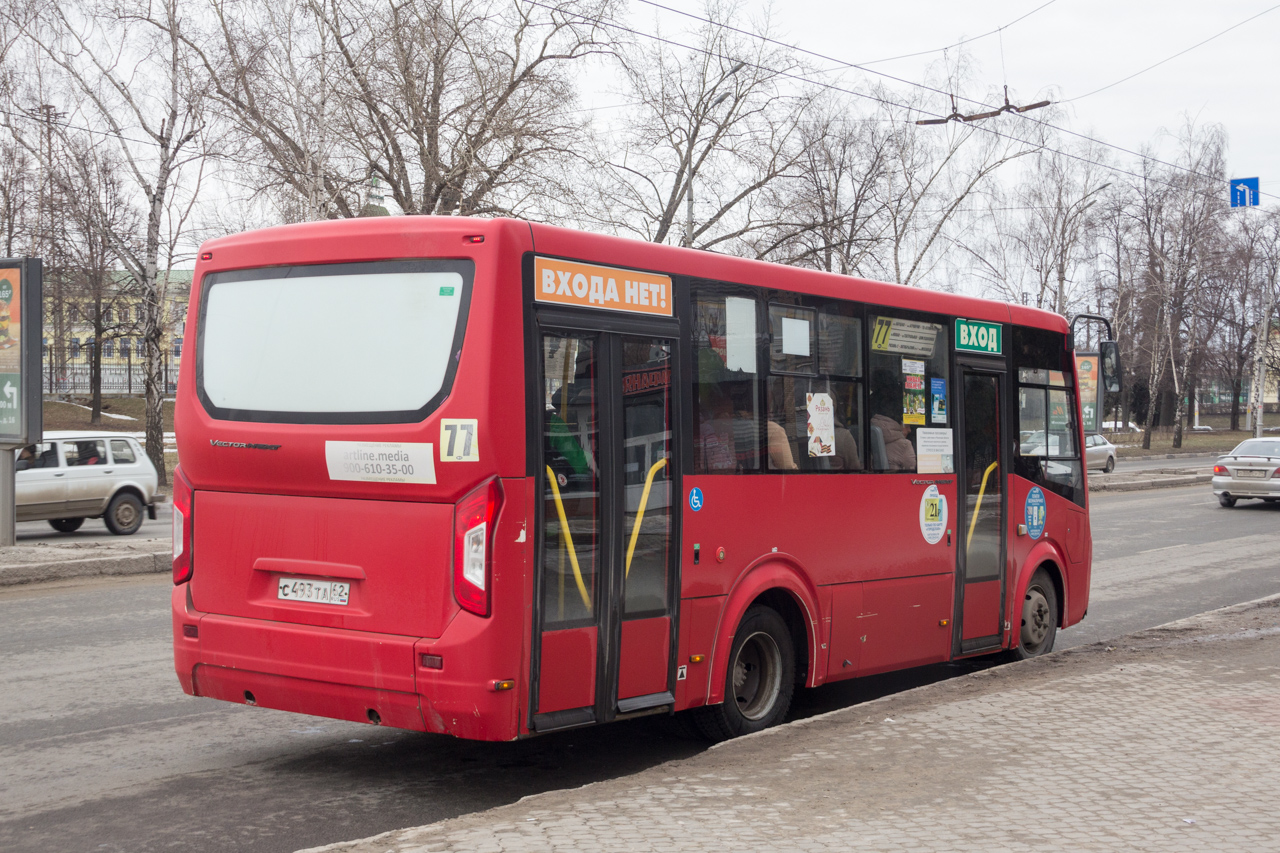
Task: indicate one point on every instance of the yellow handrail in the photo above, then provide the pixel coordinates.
(564, 528)
(977, 509)
(644, 500)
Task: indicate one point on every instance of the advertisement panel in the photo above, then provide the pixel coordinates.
(1088, 369)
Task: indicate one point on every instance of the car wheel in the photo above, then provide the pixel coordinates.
(66, 525)
(124, 514)
(760, 680)
(1227, 501)
(1039, 618)
(1111, 465)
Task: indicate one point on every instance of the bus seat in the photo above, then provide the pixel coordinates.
(879, 459)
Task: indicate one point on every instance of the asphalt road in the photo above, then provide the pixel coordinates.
(100, 750)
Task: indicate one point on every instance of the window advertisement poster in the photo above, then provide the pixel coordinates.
(910, 337)
(822, 425)
(1088, 368)
(934, 452)
(20, 413)
(938, 398)
(913, 396)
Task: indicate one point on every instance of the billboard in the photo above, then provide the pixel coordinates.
(21, 418)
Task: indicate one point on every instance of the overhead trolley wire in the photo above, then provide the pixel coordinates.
(1168, 58)
(845, 64)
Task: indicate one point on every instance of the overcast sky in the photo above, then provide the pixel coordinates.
(1069, 49)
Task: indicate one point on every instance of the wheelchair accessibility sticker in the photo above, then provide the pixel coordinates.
(695, 499)
(1035, 512)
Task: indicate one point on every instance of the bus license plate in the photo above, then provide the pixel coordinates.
(320, 592)
(1248, 474)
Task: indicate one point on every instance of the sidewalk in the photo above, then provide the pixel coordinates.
(43, 561)
(1168, 739)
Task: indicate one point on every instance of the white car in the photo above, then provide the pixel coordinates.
(71, 476)
(1099, 453)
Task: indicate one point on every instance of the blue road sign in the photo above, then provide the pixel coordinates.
(1244, 192)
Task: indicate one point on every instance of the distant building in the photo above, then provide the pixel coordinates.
(68, 371)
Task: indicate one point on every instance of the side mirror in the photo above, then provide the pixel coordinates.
(1111, 370)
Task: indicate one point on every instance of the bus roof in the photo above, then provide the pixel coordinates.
(378, 238)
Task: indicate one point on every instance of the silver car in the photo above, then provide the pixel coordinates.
(1099, 453)
(71, 476)
(1250, 471)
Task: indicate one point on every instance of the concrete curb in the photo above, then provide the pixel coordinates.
(1153, 483)
(21, 565)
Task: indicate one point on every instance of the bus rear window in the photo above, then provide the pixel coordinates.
(340, 343)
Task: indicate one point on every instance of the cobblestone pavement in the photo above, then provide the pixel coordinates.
(1165, 740)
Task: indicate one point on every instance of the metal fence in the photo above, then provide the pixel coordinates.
(120, 377)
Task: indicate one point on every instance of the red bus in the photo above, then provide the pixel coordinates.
(493, 479)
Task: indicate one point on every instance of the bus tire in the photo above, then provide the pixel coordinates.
(1039, 618)
(124, 514)
(760, 679)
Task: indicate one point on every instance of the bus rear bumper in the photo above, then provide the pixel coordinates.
(342, 674)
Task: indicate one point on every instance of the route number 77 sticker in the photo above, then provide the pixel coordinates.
(458, 440)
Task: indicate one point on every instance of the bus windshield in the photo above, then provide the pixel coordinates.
(342, 339)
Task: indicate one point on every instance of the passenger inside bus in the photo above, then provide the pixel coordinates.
(886, 430)
(716, 447)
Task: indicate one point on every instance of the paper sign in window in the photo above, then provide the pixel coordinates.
(795, 336)
(740, 334)
(934, 453)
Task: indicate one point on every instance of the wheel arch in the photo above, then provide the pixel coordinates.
(1043, 557)
(778, 582)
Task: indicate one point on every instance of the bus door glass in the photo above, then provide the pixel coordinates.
(606, 555)
(981, 553)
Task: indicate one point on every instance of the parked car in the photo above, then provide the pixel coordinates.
(1099, 453)
(1250, 471)
(71, 476)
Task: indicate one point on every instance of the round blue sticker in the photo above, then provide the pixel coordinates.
(1035, 512)
(695, 499)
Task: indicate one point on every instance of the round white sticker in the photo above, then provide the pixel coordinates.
(933, 515)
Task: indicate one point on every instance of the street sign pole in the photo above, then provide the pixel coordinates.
(21, 403)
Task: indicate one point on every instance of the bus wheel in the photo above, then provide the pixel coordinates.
(1039, 618)
(760, 680)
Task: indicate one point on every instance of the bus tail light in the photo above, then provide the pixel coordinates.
(183, 525)
(473, 523)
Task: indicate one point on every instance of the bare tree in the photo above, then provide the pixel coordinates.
(454, 106)
(125, 77)
(831, 215)
(708, 130)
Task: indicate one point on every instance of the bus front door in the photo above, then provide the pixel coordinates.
(980, 558)
(605, 594)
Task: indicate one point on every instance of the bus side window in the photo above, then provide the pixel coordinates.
(815, 411)
(1047, 452)
(908, 380)
(726, 404)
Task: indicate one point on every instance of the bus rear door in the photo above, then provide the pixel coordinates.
(605, 594)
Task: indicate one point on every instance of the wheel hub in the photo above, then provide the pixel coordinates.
(757, 676)
(1036, 620)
